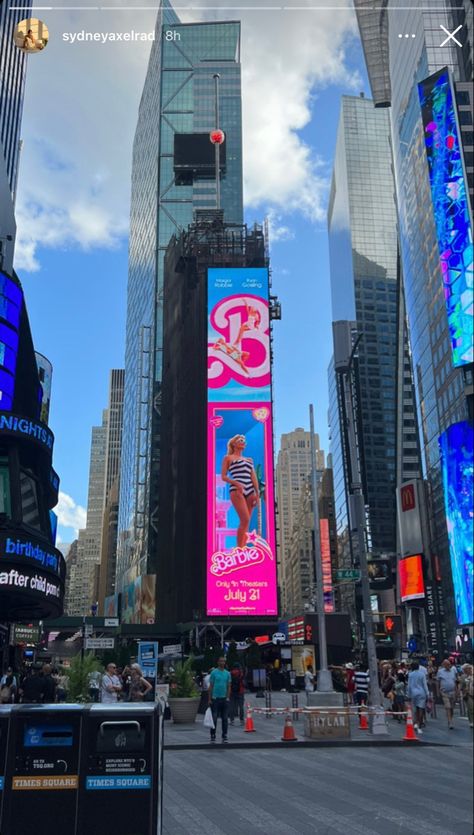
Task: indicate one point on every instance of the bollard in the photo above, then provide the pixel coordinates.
(268, 704)
(294, 705)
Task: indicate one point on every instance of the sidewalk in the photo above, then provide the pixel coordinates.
(268, 731)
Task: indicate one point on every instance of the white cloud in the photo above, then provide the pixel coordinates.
(70, 514)
(81, 109)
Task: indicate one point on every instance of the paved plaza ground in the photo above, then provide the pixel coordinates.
(426, 790)
(364, 786)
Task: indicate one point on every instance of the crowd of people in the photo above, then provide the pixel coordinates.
(419, 683)
(45, 684)
(33, 685)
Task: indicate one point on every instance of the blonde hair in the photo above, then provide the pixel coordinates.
(231, 443)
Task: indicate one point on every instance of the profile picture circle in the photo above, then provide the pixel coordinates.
(31, 35)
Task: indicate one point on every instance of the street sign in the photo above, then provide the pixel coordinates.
(347, 574)
(100, 643)
(25, 634)
(88, 629)
(111, 621)
(172, 649)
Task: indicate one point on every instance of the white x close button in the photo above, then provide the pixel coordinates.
(450, 35)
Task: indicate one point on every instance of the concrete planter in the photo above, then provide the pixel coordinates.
(184, 711)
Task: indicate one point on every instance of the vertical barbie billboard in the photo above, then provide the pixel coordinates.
(241, 556)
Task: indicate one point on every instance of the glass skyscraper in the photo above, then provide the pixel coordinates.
(363, 270)
(443, 391)
(178, 97)
(12, 86)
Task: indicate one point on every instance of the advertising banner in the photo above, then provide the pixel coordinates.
(148, 658)
(412, 586)
(409, 498)
(241, 552)
(138, 600)
(327, 568)
(302, 658)
(456, 446)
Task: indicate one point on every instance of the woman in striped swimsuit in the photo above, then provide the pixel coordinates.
(240, 474)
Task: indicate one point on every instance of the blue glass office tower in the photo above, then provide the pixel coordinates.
(363, 265)
(178, 97)
(396, 68)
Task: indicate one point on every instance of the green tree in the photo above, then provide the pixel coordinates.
(79, 673)
(182, 684)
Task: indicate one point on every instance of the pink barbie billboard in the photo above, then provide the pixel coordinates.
(241, 564)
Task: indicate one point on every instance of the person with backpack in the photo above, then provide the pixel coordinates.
(8, 687)
(237, 691)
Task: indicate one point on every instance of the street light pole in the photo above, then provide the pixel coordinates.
(343, 366)
(217, 145)
(324, 677)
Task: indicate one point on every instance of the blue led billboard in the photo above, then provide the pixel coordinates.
(457, 472)
(451, 209)
(11, 299)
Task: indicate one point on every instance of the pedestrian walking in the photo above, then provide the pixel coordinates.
(139, 686)
(447, 681)
(418, 694)
(111, 685)
(361, 693)
(49, 685)
(399, 696)
(309, 682)
(350, 682)
(62, 686)
(467, 691)
(32, 688)
(8, 687)
(237, 691)
(219, 696)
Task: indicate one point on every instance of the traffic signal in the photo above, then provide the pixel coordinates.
(308, 632)
(393, 624)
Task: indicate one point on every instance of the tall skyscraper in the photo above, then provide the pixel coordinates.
(82, 583)
(292, 473)
(363, 263)
(113, 450)
(178, 99)
(12, 86)
(300, 580)
(426, 84)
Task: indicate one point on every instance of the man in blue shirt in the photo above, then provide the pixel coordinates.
(219, 696)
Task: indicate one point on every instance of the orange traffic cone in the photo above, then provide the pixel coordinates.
(249, 728)
(410, 734)
(363, 724)
(288, 730)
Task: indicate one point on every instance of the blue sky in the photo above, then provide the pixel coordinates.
(73, 210)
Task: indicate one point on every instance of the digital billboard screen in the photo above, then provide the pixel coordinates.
(326, 562)
(451, 209)
(457, 472)
(241, 553)
(410, 571)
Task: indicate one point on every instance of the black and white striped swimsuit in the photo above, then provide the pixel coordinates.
(241, 470)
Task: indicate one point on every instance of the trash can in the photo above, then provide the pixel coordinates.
(5, 711)
(42, 769)
(121, 770)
